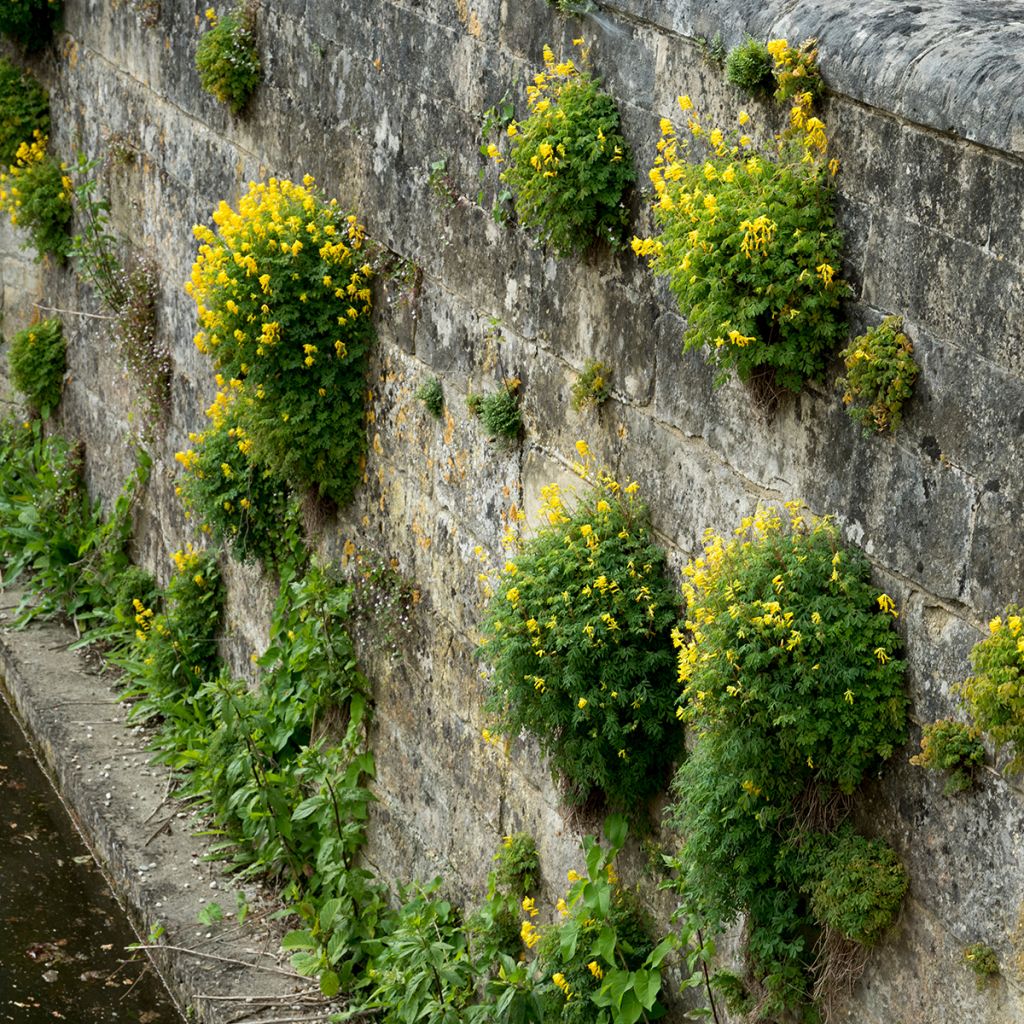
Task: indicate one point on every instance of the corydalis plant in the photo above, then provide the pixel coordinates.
(227, 58)
(568, 164)
(37, 360)
(283, 297)
(880, 375)
(748, 242)
(577, 633)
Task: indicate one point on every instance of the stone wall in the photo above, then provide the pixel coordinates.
(925, 113)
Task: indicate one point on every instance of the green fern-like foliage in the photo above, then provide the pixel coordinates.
(37, 361)
(24, 109)
(578, 636)
(749, 66)
(227, 59)
(500, 415)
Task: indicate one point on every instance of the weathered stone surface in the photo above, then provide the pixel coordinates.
(926, 114)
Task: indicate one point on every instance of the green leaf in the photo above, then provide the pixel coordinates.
(604, 946)
(329, 984)
(616, 828)
(299, 939)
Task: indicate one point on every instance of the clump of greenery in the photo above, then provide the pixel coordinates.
(568, 164)
(37, 361)
(596, 962)
(591, 386)
(952, 747)
(227, 59)
(982, 959)
(749, 244)
(578, 637)
(24, 110)
(858, 886)
(499, 412)
(175, 649)
(749, 66)
(283, 296)
(518, 869)
(793, 686)
(235, 499)
(36, 195)
(994, 694)
(54, 536)
(880, 375)
(431, 394)
(495, 925)
(796, 69)
(30, 22)
(423, 971)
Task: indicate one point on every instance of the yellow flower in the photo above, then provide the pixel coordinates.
(529, 934)
(595, 969)
(581, 703)
(572, 876)
(529, 906)
(743, 117)
(685, 103)
(886, 603)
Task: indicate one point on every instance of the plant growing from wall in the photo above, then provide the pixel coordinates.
(994, 694)
(568, 164)
(952, 747)
(572, 7)
(880, 375)
(597, 963)
(493, 125)
(431, 394)
(54, 538)
(856, 886)
(499, 412)
(35, 193)
(227, 58)
(591, 386)
(982, 959)
(749, 67)
(37, 362)
(24, 110)
(577, 634)
(796, 70)
(283, 296)
(793, 686)
(175, 651)
(238, 501)
(748, 242)
(29, 22)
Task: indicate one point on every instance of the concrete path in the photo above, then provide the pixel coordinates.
(144, 839)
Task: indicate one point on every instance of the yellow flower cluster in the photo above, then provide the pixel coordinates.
(30, 156)
(704, 574)
(562, 985)
(186, 559)
(274, 219)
